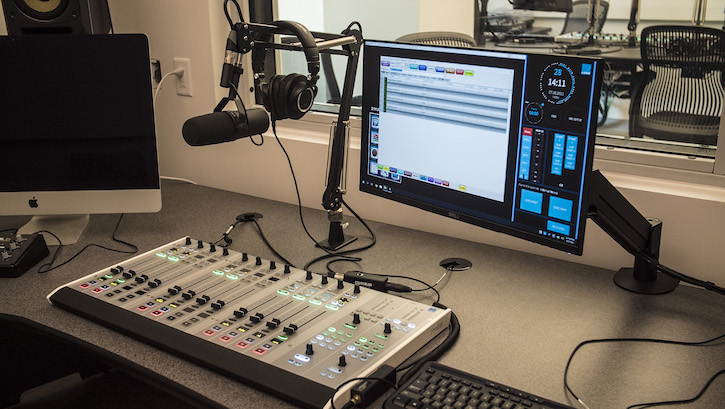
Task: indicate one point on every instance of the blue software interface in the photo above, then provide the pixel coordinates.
(501, 140)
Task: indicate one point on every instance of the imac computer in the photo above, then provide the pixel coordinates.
(500, 140)
(77, 131)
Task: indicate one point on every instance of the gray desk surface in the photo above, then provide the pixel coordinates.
(521, 315)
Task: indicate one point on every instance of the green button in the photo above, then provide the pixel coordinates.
(232, 277)
(363, 340)
(161, 254)
(343, 339)
(381, 346)
(283, 292)
(217, 272)
(299, 297)
(332, 329)
(121, 281)
(350, 326)
(366, 346)
(376, 350)
(332, 307)
(349, 335)
(381, 336)
(173, 258)
(109, 276)
(282, 337)
(315, 302)
(357, 344)
(326, 333)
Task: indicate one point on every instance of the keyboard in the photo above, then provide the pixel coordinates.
(437, 386)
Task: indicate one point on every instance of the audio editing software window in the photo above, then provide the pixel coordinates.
(502, 140)
(455, 105)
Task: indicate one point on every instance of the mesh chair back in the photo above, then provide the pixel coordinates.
(680, 98)
(448, 38)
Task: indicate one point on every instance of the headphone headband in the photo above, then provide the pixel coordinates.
(309, 46)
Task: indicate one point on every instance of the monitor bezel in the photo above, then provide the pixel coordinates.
(576, 249)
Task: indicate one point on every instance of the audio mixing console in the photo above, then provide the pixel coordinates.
(288, 331)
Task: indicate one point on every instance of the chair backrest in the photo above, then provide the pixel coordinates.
(449, 38)
(680, 97)
(576, 21)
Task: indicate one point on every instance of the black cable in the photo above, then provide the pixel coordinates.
(264, 238)
(329, 254)
(604, 340)
(455, 331)
(60, 244)
(246, 116)
(683, 401)
(226, 12)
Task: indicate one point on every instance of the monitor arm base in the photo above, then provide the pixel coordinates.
(68, 228)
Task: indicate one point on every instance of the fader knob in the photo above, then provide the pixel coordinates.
(309, 350)
(217, 305)
(225, 251)
(272, 265)
(290, 329)
(188, 241)
(174, 290)
(245, 257)
(309, 275)
(356, 290)
(240, 312)
(341, 361)
(142, 278)
(200, 244)
(129, 274)
(203, 299)
(273, 324)
(212, 248)
(387, 329)
(188, 295)
(324, 280)
(340, 284)
(257, 318)
(287, 269)
(356, 318)
(155, 283)
(258, 261)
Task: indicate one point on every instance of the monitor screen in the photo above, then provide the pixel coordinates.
(77, 130)
(500, 140)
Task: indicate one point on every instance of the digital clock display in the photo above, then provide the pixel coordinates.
(557, 83)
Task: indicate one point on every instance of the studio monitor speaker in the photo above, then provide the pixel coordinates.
(57, 16)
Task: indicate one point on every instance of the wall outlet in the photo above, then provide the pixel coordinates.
(155, 73)
(183, 83)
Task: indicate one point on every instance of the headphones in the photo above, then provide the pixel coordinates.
(291, 96)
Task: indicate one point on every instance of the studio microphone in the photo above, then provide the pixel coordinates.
(225, 126)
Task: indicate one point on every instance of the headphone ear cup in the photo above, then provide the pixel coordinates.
(296, 94)
(281, 95)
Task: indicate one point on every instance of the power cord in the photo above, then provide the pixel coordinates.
(642, 340)
(42, 269)
(179, 72)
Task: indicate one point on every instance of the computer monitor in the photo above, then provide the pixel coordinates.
(77, 131)
(497, 139)
(543, 5)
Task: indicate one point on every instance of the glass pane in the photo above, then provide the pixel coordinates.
(624, 77)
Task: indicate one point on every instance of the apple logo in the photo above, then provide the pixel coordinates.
(33, 202)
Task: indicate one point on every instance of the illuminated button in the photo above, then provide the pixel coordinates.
(282, 292)
(242, 344)
(172, 258)
(84, 285)
(225, 338)
(209, 332)
(109, 275)
(332, 307)
(315, 302)
(217, 272)
(232, 276)
(298, 297)
(303, 358)
(161, 254)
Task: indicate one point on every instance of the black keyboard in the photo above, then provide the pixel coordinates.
(439, 386)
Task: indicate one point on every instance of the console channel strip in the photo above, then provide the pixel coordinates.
(288, 331)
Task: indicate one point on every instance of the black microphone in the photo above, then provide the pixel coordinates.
(226, 126)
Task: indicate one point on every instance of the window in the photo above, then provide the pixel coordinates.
(385, 20)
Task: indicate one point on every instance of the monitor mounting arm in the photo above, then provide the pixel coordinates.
(639, 235)
(350, 41)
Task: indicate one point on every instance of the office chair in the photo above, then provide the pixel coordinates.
(576, 21)
(449, 38)
(680, 95)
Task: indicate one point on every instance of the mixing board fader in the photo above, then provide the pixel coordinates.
(286, 330)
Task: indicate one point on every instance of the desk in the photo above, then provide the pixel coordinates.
(618, 54)
(521, 315)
